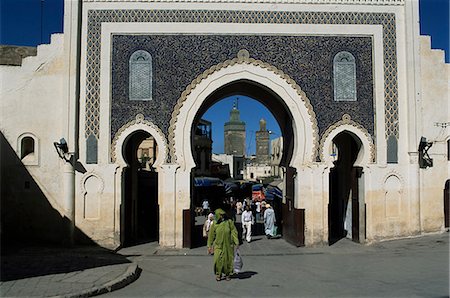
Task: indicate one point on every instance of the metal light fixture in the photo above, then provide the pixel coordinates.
(63, 150)
(425, 160)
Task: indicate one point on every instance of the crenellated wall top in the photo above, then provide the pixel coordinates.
(351, 2)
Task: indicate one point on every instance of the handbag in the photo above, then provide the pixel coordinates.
(238, 263)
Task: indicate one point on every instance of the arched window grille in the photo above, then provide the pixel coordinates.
(344, 73)
(140, 76)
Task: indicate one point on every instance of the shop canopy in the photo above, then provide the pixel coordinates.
(207, 182)
(273, 192)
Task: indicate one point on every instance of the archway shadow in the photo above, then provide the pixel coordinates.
(34, 235)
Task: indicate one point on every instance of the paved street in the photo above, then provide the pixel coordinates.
(78, 271)
(416, 267)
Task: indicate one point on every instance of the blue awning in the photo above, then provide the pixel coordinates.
(257, 187)
(207, 181)
(273, 192)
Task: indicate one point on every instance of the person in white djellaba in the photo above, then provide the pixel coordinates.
(247, 222)
(269, 221)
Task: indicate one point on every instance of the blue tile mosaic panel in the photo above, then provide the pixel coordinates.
(179, 59)
(386, 20)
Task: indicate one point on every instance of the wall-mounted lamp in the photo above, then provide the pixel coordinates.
(425, 160)
(63, 150)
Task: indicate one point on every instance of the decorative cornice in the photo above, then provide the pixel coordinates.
(347, 120)
(139, 120)
(243, 57)
(344, 2)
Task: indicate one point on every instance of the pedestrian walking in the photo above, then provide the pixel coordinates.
(222, 239)
(269, 221)
(238, 207)
(205, 206)
(258, 210)
(207, 225)
(247, 222)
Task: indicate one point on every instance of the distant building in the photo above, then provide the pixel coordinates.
(235, 164)
(256, 172)
(234, 133)
(276, 152)
(220, 170)
(147, 153)
(262, 144)
(202, 144)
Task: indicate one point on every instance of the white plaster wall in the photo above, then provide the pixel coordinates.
(435, 105)
(105, 227)
(32, 101)
(412, 217)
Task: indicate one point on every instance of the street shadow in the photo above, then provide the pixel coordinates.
(244, 275)
(35, 261)
(34, 236)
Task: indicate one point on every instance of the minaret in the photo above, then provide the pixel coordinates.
(234, 133)
(262, 144)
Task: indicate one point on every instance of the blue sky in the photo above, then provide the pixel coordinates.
(30, 22)
(251, 112)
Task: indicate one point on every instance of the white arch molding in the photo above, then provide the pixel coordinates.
(366, 154)
(139, 124)
(244, 68)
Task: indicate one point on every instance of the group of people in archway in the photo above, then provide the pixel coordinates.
(248, 211)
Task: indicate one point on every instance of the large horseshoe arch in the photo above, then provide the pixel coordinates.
(284, 99)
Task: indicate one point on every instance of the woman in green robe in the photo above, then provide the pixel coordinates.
(221, 239)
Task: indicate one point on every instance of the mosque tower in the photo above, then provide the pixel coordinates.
(234, 133)
(262, 144)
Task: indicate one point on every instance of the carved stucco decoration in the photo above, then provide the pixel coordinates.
(139, 120)
(243, 57)
(397, 175)
(88, 175)
(347, 120)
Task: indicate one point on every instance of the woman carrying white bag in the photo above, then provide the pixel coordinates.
(238, 263)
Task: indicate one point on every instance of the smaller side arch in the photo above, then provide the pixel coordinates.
(366, 154)
(138, 124)
(92, 186)
(28, 149)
